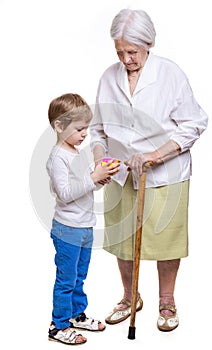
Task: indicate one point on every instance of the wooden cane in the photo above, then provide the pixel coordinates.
(137, 249)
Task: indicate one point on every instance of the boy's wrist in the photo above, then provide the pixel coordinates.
(94, 177)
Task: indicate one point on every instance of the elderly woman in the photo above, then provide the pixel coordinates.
(146, 111)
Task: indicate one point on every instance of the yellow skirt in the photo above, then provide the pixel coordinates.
(165, 221)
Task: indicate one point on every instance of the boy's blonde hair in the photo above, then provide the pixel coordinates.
(68, 108)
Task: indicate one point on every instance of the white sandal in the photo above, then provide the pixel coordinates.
(87, 323)
(67, 336)
(119, 315)
(167, 323)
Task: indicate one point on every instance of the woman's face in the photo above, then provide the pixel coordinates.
(131, 55)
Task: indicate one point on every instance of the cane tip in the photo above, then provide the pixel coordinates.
(131, 334)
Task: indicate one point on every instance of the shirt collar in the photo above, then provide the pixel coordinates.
(147, 77)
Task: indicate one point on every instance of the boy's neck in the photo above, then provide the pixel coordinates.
(67, 146)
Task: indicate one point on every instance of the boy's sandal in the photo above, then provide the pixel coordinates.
(118, 315)
(67, 336)
(166, 323)
(87, 323)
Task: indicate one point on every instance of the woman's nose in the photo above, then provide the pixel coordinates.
(126, 57)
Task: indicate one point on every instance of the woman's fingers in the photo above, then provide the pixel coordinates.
(136, 163)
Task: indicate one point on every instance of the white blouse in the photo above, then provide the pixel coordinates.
(161, 108)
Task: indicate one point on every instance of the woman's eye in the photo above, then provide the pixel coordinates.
(132, 52)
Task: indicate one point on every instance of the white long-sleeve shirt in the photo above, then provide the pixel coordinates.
(162, 108)
(72, 186)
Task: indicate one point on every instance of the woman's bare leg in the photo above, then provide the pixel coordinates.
(126, 271)
(167, 273)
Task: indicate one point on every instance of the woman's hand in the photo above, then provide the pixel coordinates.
(137, 161)
(167, 151)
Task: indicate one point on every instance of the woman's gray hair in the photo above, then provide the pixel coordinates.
(134, 26)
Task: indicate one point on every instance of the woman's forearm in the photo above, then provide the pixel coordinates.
(98, 153)
(169, 150)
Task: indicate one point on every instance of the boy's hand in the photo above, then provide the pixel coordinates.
(102, 173)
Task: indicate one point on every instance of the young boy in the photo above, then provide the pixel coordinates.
(72, 183)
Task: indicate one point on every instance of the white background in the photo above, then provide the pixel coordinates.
(50, 47)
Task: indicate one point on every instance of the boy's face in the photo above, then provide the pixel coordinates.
(75, 133)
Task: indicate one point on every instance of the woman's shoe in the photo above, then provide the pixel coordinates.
(119, 315)
(166, 323)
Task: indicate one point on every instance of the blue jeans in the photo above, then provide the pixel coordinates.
(73, 252)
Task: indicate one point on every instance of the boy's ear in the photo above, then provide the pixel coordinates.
(58, 126)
